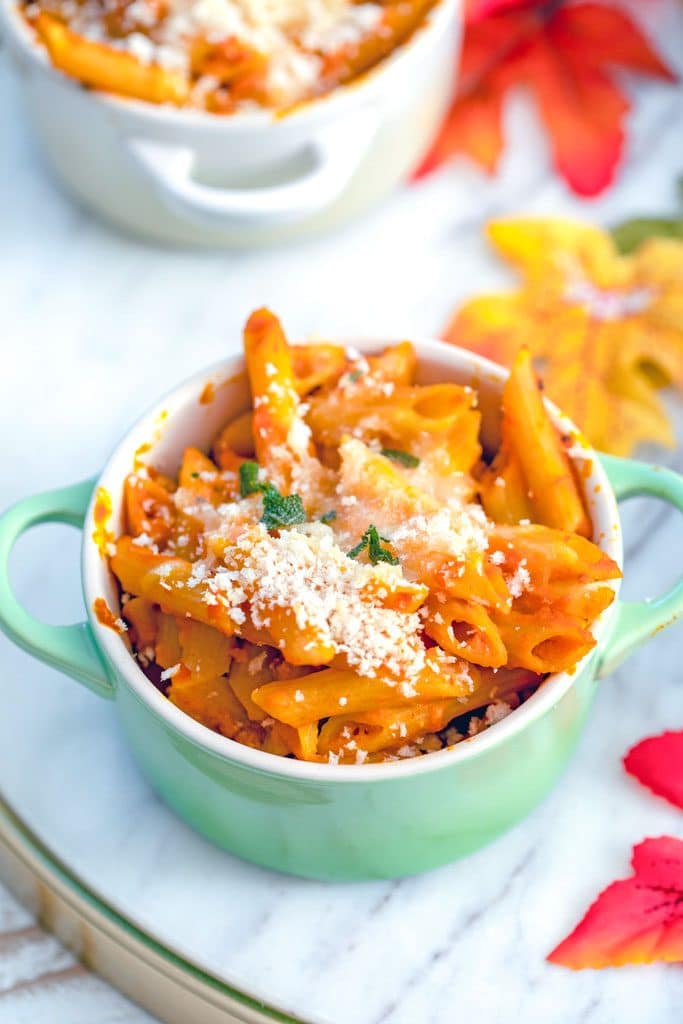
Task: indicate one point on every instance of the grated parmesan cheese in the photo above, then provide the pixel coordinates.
(520, 580)
(336, 598)
(257, 663)
(455, 531)
(496, 712)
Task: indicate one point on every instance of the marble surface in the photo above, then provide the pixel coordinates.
(94, 326)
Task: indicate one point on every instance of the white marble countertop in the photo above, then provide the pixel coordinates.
(94, 326)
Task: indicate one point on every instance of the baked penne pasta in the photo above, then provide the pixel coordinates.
(222, 58)
(103, 67)
(347, 580)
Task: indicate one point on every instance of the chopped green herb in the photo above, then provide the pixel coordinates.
(355, 375)
(195, 476)
(281, 510)
(249, 481)
(405, 458)
(372, 541)
(278, 510)
(354, 552)
(329, 517)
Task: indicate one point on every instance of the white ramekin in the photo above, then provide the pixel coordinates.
(189, 177)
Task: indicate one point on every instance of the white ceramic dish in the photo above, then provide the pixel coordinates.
(188, 177)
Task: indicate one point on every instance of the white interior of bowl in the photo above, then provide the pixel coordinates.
(181, 419)
(329, 105)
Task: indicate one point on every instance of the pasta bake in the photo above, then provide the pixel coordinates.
(222, 55)
(347, 576)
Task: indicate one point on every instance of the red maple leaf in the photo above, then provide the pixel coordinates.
(565, 55)
(476, 10)
(657, 763)
(636, 920)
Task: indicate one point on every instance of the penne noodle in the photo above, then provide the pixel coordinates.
(385, 728)
(395, 365)
(316, 366)
(544, 642)
(246, 674)
(322, 694)
(531, 435)
(212, 702)
(204, 651)
(282, 440)
(503, 490)
(466, 629)
(143, 621)
(299, 646)
(163, 580)
(167, 652)
(301, 743)
(271, 374)
(417, 419)
(554, 554)
(103, 67)
(203, 479)
(235, 439)
(148, 508)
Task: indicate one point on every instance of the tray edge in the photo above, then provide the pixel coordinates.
(146, 971)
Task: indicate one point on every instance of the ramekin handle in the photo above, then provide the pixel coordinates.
(71, 649)
(637, 621)
(334, 157)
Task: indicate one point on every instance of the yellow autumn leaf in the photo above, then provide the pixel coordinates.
(605, 330)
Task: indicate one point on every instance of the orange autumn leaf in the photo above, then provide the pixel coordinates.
(605, 330)
(565, 55)
(657, 763)
(636, 920)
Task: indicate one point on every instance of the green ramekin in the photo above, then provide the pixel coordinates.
(327, 821)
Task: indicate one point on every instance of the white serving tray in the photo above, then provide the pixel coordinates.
(130, 958)
(195, 935)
